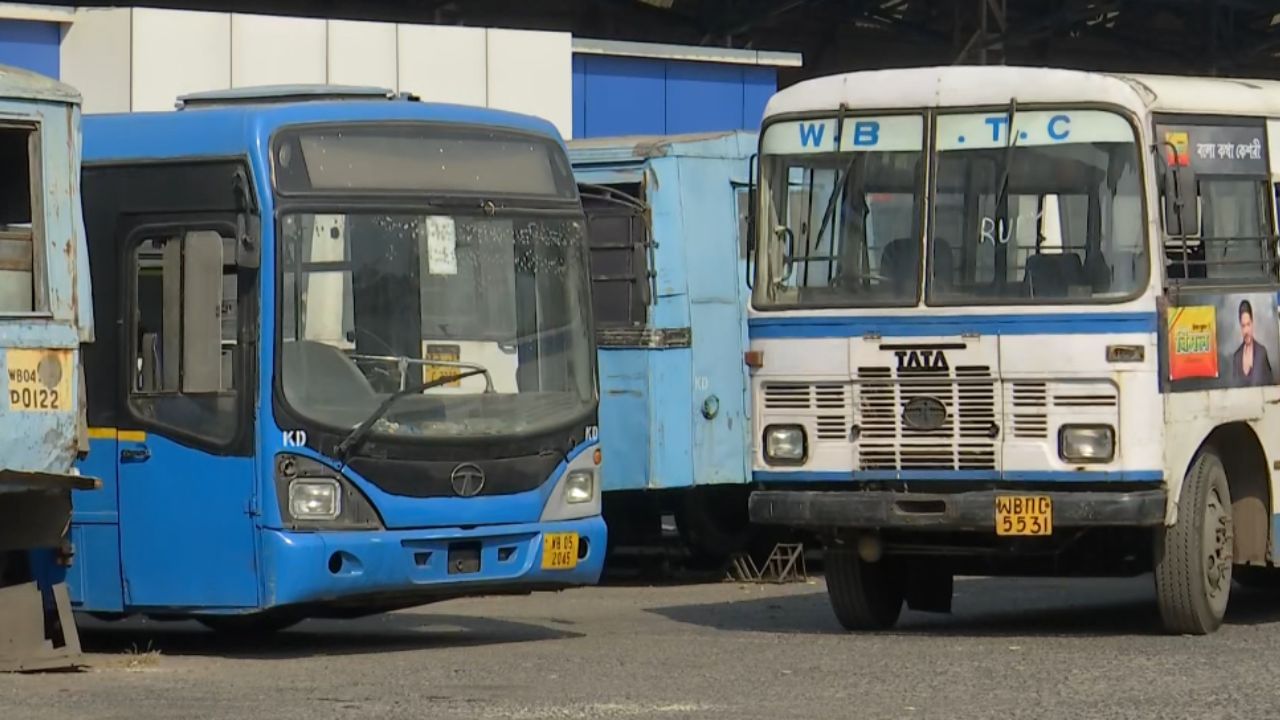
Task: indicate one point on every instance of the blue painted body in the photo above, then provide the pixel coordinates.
(36, 46)
(46, 317)
(188, 532)
(47, 441)
(652, 425)
(616, 96)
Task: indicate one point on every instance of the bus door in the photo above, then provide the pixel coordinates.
(185, 450)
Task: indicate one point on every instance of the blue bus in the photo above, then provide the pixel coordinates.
(351, 368)
(45, 316)
(666, 221)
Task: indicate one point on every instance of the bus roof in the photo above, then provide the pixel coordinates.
(233, 129)
(19, 84)
(960, 86)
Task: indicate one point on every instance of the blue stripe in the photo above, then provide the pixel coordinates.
(1052, 476)
(934, 325)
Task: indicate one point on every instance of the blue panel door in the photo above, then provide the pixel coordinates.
(186, 468)
(33, 46)
(93, 580)
(703, 97)
(716, 310)
(186, 529)
(622, 96)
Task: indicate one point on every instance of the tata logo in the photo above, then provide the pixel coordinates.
(924, 413)
(467, 480)
(921, 360)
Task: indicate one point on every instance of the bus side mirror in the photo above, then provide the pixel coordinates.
(1181, 202)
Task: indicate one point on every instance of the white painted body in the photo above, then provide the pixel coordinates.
(1037, 381)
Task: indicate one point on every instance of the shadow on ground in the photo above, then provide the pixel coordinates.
(377, 634)
(984, 607)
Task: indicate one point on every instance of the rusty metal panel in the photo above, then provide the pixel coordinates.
(24, 645)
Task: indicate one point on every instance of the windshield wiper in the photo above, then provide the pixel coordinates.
(1003, 230)
(357, 436)
(403, 363)
(1002, 199)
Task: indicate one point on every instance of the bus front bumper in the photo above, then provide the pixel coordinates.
(408, 567)
(960, 511)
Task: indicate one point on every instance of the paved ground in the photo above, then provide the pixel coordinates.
(1026, 648)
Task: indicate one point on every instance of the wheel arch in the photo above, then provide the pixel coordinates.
(1249, 481)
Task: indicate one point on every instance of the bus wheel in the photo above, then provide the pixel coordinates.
(1193, 558)
(264, 623)
(865, 596)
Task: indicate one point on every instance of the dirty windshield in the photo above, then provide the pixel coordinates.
(375, 303)
(843, 212)
(1048, 213)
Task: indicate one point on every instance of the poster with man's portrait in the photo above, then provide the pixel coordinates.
(1222, 341)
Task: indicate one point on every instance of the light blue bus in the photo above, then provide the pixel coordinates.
(666, 218)
(45, 316)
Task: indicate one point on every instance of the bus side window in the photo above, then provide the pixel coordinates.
(22, 282)
(184, 334)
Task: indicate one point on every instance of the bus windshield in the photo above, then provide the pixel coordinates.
(1048, 213)
(374, 304)
(843, 212)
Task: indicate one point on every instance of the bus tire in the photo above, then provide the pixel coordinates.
(1193, 558)
(864, 596)
(264, 623)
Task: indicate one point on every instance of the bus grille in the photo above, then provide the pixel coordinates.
(964, 441)
(829, 405)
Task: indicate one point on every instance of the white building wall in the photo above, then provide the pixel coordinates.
(143, 59)
(173, 52)
(521, 66)
(446, 64)
(363, 53)
(99, 65)
(272, 50)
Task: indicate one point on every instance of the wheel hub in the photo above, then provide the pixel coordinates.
(1218, 541)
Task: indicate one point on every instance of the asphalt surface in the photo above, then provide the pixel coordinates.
(1012, 649)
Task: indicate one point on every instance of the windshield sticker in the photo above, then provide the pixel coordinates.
(1215, 149)
(442, 245)
(983, 131)
(890, 133)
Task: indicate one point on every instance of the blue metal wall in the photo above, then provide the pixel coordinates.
(642, 96)
(31, 45)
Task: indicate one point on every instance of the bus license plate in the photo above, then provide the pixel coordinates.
(1024, 515)
(559, 551)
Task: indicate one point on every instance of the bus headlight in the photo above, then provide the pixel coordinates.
(784, 444)
(314, 496)
(1087, 443)
(580, 487)
(314, 499)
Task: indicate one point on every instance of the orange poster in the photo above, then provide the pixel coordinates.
(1179, 151)
(1193, 342)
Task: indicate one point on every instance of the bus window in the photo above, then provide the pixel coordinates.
(20, 245)
(184, 334)
(1234, 229)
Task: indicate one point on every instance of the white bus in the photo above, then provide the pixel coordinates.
(1019, 321)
